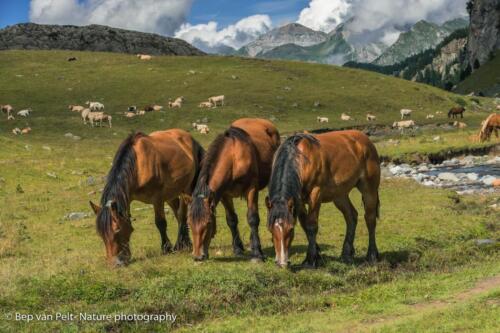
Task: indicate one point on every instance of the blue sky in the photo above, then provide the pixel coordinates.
(223, 11)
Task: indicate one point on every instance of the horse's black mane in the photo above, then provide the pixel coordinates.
(122, 172)
(285, 180)
(201, 190)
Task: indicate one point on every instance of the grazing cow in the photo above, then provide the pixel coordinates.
(345, 117)
(429, 116)
(204, 130)
(132, 108)
(144, 57)
(459, 125)
(85, 115)
(76, 108)
(95, 106)
(141, 113)
(26, 130)
(322, 119)
(16, 131)
(24, 113)
(403, 124)
(177, 103)
(130, 114)
(405, 113)
(99, 117)
(216, 100)
(201, 127)
(370, 117)
(157, 107)
(454, 112)
(7, 109)
(205, 105)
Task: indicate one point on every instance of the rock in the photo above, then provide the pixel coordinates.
(488, 180)
(76, 137)
(468, 160)
(483, 242)
(428, 183)
(423, 168)
(68, 135)
(287, 89)
(2, 180)
(448, 176)
(90, 181)
(234, 77)
(74, 216)
(453, 161)
(419, 177)
(295, 105)
(495, 160)
(91, 38)
(472, 176)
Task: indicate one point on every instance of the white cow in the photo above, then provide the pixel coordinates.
(16, 131)
(322, 119)
(216, 100)
(429, 116)
(345, 117)
(85, 115)
(405, 113)
(205, 105)
(177, 103)
(24, 113)
(144, 57)
(76, 108)
(370, 117)
(95, 106)
(403, 124)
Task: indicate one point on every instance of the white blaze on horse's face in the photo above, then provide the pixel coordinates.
(282, 238)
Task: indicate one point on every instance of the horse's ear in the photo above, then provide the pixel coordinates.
(268, 203)
(95, 208)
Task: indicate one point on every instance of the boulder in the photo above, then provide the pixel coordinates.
(448, 176)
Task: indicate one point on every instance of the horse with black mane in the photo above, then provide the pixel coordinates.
(313, 169)
(154, 169)
(237, 164)
(454, 112)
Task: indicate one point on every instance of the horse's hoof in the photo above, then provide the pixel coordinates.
(182, 246)
(166, 248)
(372, 257)
(257, 260)
(347, 259)
(238, 252)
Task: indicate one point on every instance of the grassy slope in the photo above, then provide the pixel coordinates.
(48, 264)
(486, 79)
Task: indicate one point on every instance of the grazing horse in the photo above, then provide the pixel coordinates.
(313, 169)
(237, 164)
(454, 112)
(154, 169)
(490, 125)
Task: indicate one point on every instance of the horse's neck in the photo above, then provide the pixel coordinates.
(220, 176)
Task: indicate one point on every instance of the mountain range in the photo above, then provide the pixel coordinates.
(344, 44)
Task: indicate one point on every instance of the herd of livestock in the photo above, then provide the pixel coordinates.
(93, 113)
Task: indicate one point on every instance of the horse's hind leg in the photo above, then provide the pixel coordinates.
(232, 222)
(161, 224)
(345, 205)
(179, 207)
(371, 202)
(254, 220)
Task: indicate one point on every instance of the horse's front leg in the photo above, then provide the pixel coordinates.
(161, 224)
(345, 205)
(310, 225)
(254, 220)
(232, 222)
(179, 208)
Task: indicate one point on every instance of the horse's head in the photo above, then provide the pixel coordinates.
(201, 220)
(281, 224)
(115, 229)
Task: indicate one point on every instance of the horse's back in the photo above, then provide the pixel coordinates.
(167, 158)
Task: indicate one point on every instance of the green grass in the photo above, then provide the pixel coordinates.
(49, 264)
(485, 79)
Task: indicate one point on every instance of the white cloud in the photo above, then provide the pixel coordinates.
(324, 15)
(208, 36)
(159, 16)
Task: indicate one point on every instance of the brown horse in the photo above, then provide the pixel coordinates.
(490, 125)
(313, 169)
(237, 164)
(454, 112)
(154, 169)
